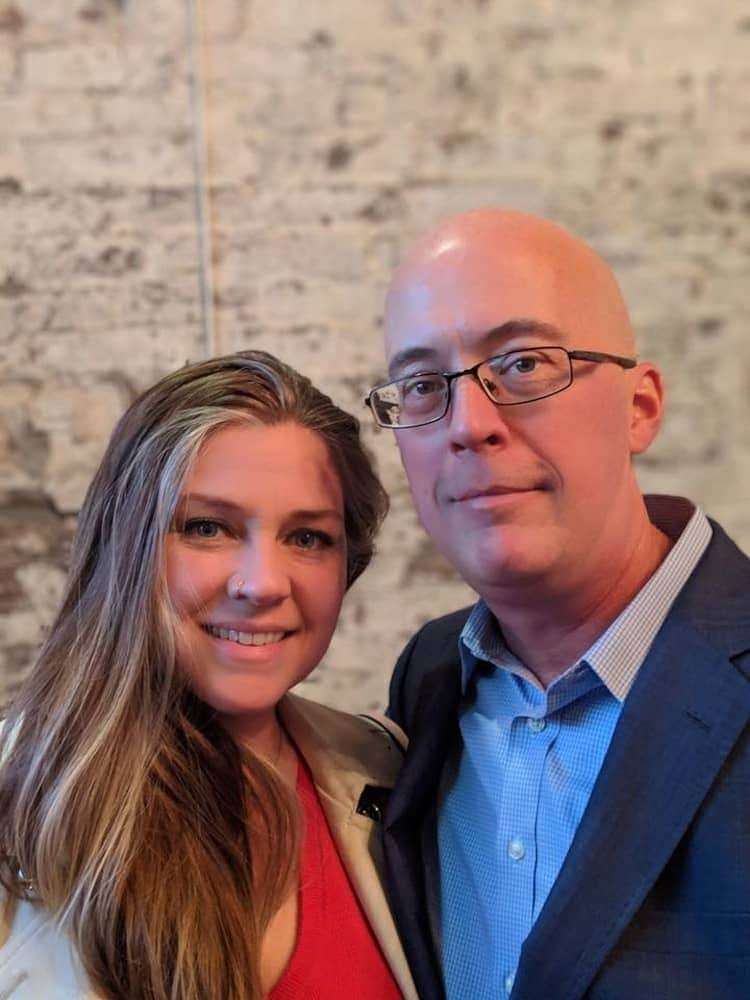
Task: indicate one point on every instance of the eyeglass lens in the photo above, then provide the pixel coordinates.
(517, 377)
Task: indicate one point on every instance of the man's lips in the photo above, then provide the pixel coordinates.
(490, 491)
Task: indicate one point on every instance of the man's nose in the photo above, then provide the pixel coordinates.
(261, 576)
(474, 421)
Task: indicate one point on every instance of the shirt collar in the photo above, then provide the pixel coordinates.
(617, 654)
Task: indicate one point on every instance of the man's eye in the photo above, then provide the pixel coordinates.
(523, 365)
(421, 385)
(518, 364)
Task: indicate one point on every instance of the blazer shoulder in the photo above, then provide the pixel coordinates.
(332, 740)
(716, 597)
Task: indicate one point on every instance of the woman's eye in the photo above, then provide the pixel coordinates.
(307, 538)
(202, 528)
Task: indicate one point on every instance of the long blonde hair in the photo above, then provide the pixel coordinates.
(126, 810)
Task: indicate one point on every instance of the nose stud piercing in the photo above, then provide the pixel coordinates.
(235, 585)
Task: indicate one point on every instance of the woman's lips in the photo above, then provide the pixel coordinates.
(255, 637)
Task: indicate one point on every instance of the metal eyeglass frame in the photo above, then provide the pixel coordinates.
(596, 356)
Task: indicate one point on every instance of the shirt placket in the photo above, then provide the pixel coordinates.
(530, 737)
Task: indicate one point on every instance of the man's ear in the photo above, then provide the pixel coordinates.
(647, 406)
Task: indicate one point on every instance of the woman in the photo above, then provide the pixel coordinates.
(173, 824)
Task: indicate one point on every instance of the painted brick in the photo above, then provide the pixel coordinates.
(335, 132)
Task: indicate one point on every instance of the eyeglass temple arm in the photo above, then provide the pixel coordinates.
(598, 356)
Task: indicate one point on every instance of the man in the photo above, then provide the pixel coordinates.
(573, 817)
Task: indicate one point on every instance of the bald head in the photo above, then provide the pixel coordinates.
(483, 268)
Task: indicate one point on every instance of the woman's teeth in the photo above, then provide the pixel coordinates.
(245, 638)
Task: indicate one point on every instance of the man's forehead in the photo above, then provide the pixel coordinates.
(458, 304)
(461, 296)
(475, 285)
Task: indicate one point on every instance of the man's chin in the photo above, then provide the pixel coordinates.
(494, 566)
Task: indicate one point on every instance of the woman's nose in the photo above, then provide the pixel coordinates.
(260, 577)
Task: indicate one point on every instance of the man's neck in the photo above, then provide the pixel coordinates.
(550, 633)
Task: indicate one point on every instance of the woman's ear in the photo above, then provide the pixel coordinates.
(647, 407)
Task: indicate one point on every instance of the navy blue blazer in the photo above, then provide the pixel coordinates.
(653, 899)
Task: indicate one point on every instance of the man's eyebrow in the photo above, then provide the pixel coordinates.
(522, 327)
(511, 328)
(409, 356)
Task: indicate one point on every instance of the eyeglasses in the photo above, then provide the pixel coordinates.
(520, 376)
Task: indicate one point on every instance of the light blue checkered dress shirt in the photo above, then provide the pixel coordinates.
(529, 762)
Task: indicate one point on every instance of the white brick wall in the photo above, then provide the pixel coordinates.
(334, 132)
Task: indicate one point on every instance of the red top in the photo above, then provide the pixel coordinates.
(336, 956)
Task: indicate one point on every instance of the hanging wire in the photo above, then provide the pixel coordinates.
(200, 170)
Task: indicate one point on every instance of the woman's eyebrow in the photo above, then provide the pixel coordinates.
(315, 514)
(302, 514)
(209, 501)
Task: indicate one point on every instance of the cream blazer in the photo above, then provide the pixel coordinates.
(344, 753)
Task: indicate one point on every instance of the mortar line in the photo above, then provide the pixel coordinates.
(194, 15)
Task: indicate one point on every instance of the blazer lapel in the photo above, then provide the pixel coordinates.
(429, 742)
(344, 754)
(413, 874)
(686, 710)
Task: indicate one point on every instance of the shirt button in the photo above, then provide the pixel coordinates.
(516, 850)
(536, 725)
(508, 983)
